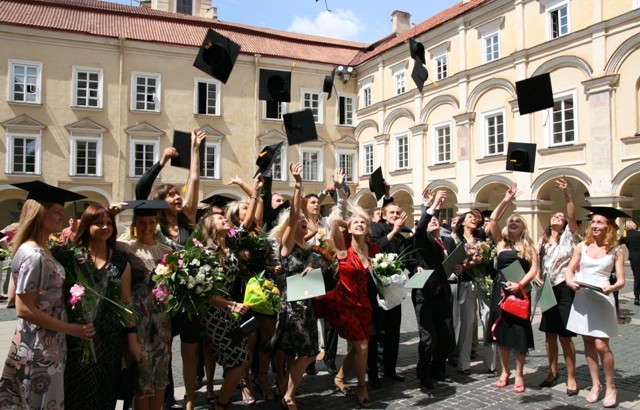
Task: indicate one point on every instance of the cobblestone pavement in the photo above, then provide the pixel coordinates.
(476, 391)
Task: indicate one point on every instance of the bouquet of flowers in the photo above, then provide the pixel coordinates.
(388, 269)
(251, 248)
(186, 280)
(486, 251)
(261, 295)
(323, 256)
(87, 288)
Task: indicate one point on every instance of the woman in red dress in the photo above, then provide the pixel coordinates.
(347, 307)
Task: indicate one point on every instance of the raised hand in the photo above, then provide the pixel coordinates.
(399, 223)
(338, 176)
(296, 171)
(512, 192)
(237, 180)
(428, 196)
(167, 154)
(196, 138)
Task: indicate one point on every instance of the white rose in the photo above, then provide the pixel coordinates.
(161, 270)
(384, 265)
(191, 282)
(200, 277)
(195, 262)
(198, 290)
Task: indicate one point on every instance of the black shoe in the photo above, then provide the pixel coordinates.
(375, 383)
(572, 392)
(427, 383)
(442, 377)
(331, 368)
(549, 383)
(172, 404)
(311, 369)
(394, 377)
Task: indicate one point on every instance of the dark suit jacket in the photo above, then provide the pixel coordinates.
(428, 255)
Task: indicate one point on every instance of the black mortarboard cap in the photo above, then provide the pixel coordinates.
(275, 85)
(149, 207)
(217, 200)
(607, 211)
(182, 144)
(266, 158)
(41, 192)
(217, 55)
(521, 157)
(300, 127)
(327, 86)
(417, 50)
(419, 74)
(534, 94)
(133, 204)
(376, 183)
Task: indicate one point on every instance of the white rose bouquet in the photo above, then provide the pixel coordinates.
(388, 269)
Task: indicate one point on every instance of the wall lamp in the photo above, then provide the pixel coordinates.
(345, 73)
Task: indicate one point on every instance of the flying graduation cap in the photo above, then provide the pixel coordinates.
(266, 158)
(376, 183)
(534, 94)
(300, 127)
(275, 85)
(182, 144)
(217, 55)
(521, 157)
(419, 74)
(327, 85)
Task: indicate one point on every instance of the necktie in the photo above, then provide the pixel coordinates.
(441, 246)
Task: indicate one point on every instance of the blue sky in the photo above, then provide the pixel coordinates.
(359, 20)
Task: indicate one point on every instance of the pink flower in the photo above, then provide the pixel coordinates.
(73, 300)
(198, 243)
(76, 292)
(163, 261)
(232, 233)
(160, 292)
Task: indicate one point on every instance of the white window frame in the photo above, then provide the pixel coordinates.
(365, 161)
(11, 137)
(366, 96)
(283, 110)
(132, 158)
(437, 66)
(485, 132)
(318, 114)
(354, 166)
(74, 154)
(158, 94)
(405, 164)
(636, 4)
(400, 82)
(196, 93)
(193, 8)
(488, 31)
(485, 47)
(217, 157)
(561, 97)
(436, 144)
(88, 70)
(38, 91)
(349, 115)
(320, 170)
(552, 7)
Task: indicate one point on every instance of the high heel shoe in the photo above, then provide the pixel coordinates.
(594, 394)
(550, 383)
(364, 403)
(518, 388)
(572, 392)
(340, 387)
(611, 400)
(501, 384)
(285, 406)
(247, 396)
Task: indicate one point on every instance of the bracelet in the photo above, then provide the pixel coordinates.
(254, 197)
(130, 329)
(233, 306)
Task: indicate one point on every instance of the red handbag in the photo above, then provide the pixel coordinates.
(516, 306)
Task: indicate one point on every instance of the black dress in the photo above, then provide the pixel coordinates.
(508, 330)
(93, 386)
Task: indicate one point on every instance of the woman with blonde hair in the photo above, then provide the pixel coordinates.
(593, 313)
(33, 375)
(512, 333)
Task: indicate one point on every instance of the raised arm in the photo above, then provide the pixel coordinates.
(496, 231)
(255, 202)
(145, 184)
(288, 237)
(191, 199)
(571, 208)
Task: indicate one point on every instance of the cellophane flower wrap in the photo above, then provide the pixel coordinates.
(186, 280)
(87, 289)
(486, 250)
(323, 255)
(389, 269)
(261, 295)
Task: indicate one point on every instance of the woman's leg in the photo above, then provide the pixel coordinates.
(296, 371)
(156, 402)
(189, 353)
(569, 352)
(361, 350)
(551, 343)
(520, 369)
(606, 357)
(230, 382)
(267, 328)
(591, 354)
(247, 394)
(504, 362)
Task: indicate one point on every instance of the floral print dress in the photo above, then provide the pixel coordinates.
(33, 375)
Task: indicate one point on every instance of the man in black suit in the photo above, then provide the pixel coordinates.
(432, 303)
(388, 235)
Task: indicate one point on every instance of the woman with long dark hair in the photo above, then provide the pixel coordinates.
(94, 385)
(556, 248)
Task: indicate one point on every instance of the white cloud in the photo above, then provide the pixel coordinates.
(339, 23)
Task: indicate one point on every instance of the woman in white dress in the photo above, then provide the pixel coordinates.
(593, 313)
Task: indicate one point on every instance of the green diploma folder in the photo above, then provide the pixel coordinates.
(418, 280)
(515, 273)
(455, 258)
(305, 287)
(545, 296)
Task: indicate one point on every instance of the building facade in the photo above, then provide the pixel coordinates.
(94, 91)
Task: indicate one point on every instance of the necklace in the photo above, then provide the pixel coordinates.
(94, 260)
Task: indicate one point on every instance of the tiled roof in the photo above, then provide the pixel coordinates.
(113, 20)
(431, 23)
